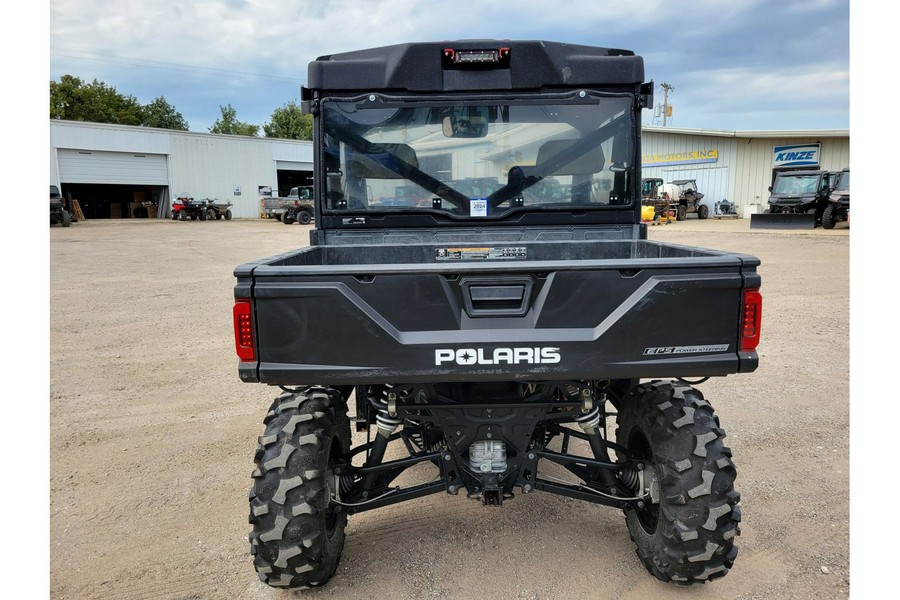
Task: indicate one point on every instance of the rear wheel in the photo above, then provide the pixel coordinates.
(685, 528)
(66, 219)
(298, 531)
(228, 214)
(681, 213)
(702, 211)
(287, 218)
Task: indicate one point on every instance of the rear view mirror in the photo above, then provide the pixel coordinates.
(466, 122)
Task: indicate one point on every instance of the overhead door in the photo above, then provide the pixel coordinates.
(92, 166)
(290, 165)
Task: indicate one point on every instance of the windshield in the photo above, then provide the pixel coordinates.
(843, 183)
(478, 159)
(796, 185)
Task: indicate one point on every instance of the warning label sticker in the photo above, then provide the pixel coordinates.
(508, 253)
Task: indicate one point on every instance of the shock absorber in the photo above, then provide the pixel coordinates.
(589, 421)
(387, 423)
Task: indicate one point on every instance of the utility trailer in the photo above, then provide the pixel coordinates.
(494, 329)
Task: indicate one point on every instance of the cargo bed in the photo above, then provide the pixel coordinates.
(340, 315)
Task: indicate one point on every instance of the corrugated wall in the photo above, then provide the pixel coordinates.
(212, 166)
(714, 179)
(754, 159)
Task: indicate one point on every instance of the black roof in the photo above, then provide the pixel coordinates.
(425, 67)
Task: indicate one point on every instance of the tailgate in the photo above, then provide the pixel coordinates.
(619, 310)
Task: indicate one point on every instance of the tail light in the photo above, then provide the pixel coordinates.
(752, 320)
(243, 330)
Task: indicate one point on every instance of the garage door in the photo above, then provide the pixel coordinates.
(289, 165)
(91, 166)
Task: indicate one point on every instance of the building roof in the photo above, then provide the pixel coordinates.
(747, 133)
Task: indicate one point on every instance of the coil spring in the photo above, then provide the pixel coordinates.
(383, 419)
(589, 421)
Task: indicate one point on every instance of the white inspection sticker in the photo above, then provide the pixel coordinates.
(478, 207)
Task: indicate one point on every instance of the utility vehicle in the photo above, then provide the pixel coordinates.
(58, 211)
(838, 208)
(490, 332)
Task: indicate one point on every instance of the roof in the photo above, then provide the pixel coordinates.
(748, 133)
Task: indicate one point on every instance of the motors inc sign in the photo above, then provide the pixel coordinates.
(801, 155)
(688, 157)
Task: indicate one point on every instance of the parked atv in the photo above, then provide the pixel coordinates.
(186, 207)
(838, 208)
(689, 200)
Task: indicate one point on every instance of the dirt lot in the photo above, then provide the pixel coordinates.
(152, 438)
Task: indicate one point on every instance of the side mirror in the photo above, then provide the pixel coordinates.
(770, 188)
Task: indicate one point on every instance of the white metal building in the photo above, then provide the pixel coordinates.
(113, 170)
(739, 166)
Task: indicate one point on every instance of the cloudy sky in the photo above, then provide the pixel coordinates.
(740, 64)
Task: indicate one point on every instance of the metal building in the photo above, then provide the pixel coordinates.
(117, 171)
(739, 166)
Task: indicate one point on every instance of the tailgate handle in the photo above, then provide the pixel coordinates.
(493, 298)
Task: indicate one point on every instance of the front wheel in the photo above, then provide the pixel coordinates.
(298, 529)
(304, 217)
(211, 215)
(828, 220)
(702, 211)
(684, 529)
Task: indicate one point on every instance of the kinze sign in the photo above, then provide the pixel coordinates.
(804, 155)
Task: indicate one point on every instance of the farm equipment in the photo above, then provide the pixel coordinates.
(186, 207)
(724, 210)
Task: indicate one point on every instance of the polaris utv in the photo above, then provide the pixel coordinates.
(838, 208)
(800, 192)
(502, 324)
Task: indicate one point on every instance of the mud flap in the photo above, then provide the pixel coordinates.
(783, 221)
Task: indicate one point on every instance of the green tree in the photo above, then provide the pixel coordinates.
(159, 113)
(288, 122)
(72, 99)
(229, 124)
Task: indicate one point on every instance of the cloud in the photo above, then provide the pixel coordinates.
(254, 54)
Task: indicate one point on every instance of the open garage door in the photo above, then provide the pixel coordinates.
(113, 185)
(292, 174)
(123, 168)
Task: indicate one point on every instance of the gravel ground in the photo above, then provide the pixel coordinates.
(152, 437)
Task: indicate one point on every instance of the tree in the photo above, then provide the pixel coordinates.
(288, 122)
(159, 113)
(72, 99)
(229, 124)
